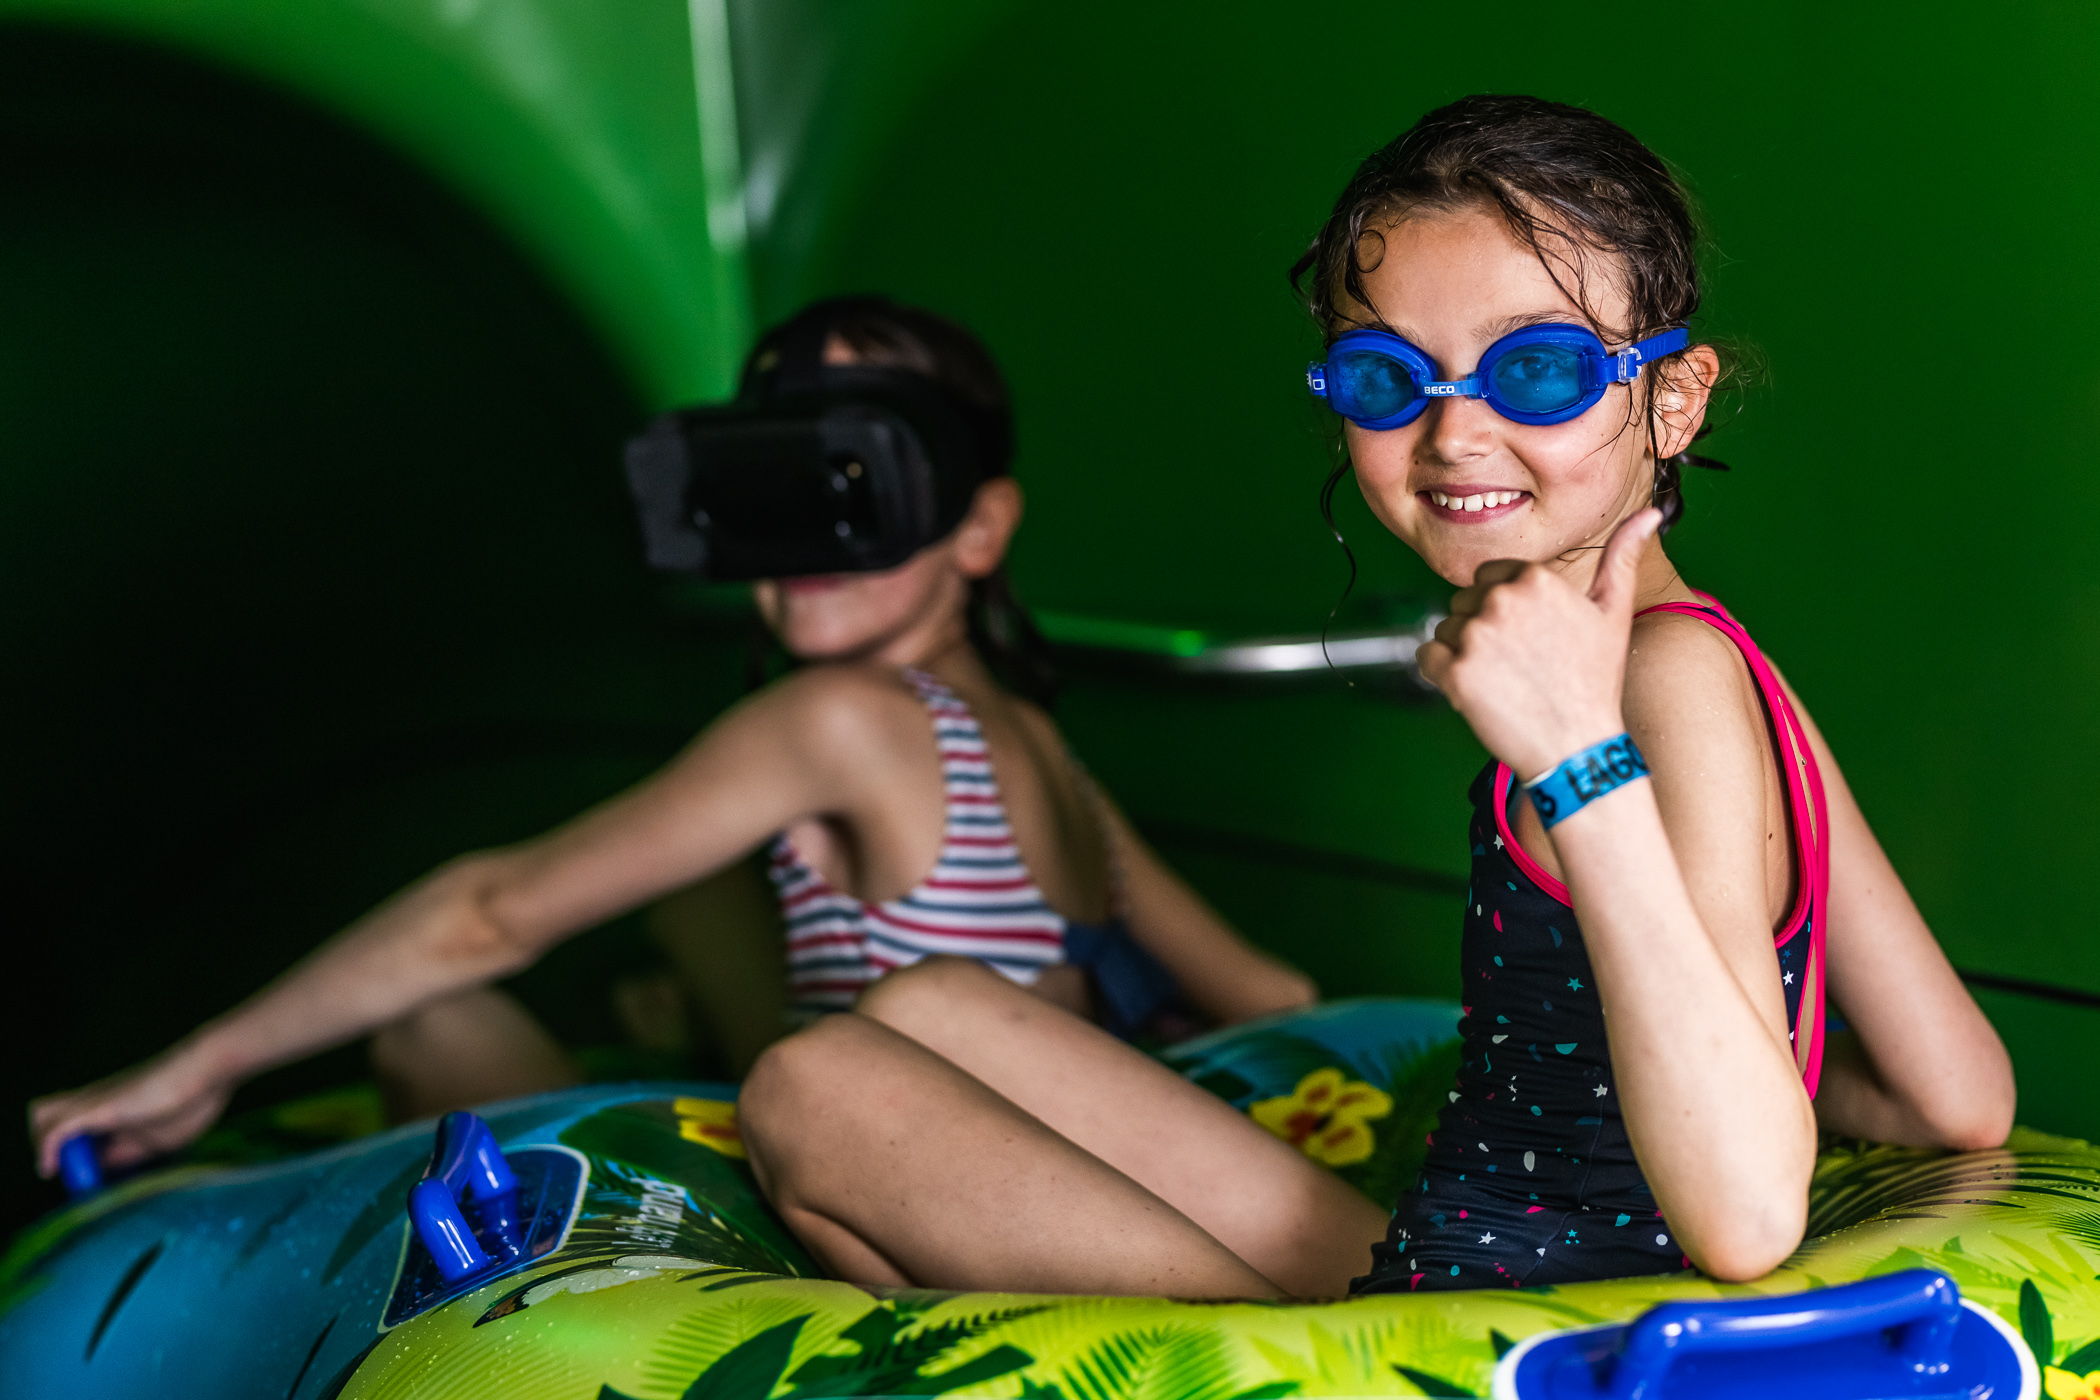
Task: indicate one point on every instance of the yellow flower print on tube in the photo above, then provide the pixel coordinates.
(2069, 1385)
(1326, 1117)
(711, 1123)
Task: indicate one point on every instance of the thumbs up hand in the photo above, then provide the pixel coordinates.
(1534, 662)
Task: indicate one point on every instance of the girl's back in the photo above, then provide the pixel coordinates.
(1056, 817)
(985, 839)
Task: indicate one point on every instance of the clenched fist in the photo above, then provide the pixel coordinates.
(1534, 662)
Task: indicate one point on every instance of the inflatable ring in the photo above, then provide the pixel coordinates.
(624, 1254)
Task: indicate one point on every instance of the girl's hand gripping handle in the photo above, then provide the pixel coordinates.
(142, 1113)
(1535, 663)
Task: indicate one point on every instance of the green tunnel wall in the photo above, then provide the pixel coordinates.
(318, 353)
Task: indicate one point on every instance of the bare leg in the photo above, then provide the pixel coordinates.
(1290, 1219)
(463, 1050)
(897, 1168)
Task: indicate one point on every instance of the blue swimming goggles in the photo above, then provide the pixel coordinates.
(1537, 375)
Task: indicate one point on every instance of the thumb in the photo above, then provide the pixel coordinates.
(1612, 589)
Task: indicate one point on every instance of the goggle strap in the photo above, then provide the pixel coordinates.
(1629, 361)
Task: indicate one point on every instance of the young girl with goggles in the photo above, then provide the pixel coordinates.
(1661, 833)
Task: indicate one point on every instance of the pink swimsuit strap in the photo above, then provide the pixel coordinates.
(1807, 816)
(1809, 812)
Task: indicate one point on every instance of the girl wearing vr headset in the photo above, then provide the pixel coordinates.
(914, 803)
(1505, 291)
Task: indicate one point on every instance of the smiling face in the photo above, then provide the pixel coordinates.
(1462, 485)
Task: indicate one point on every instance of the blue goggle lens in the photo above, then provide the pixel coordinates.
(1539, 378)
(1370, 386)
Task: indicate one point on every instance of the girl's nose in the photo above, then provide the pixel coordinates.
(1457, 430)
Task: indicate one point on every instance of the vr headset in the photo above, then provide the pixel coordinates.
(815, 469)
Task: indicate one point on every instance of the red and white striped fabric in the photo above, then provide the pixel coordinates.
(979, 902)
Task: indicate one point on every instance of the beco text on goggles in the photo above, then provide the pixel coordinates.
(1537, 375)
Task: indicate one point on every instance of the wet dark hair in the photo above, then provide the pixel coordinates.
(888, 333)
(1569, 184)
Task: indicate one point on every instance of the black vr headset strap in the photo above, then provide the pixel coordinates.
(792, 367)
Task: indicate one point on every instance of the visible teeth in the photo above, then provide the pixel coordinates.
(1485, 500)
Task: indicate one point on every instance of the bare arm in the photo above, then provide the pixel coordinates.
(1668, 879)
(797, 748)
(1669, 883)
(1921, 1064)
(1225, 976)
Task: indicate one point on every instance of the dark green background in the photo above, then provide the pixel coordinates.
(319, 566)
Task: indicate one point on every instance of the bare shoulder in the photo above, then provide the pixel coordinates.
(1686, 683)
(849, 709)
(1677, 662)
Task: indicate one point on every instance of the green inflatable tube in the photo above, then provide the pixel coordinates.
(662, 1274)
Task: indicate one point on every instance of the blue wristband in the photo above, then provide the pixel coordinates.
(1574, 783)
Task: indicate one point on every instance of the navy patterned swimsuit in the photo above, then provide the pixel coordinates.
(1530, 1177)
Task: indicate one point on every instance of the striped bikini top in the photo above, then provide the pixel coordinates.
(979, 901)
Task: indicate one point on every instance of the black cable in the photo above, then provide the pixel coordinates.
(2020, 986)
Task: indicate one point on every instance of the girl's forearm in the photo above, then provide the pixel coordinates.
(1965, 1101)
(1257, 985)
(434, 938)
(1851, 1099)
(1712, 1100)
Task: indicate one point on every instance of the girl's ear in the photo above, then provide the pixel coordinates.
(1683, 385)
(982, 538)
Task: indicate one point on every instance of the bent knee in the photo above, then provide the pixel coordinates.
(796, 1079)
(911, 995)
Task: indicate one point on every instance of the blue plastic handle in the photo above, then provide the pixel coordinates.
(1920, 1303)
(465, 1165)
(80, 1166)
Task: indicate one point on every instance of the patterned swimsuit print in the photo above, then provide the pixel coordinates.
(1530, 1177)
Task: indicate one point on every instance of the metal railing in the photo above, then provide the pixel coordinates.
(1380, 660)
(1376, 660)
